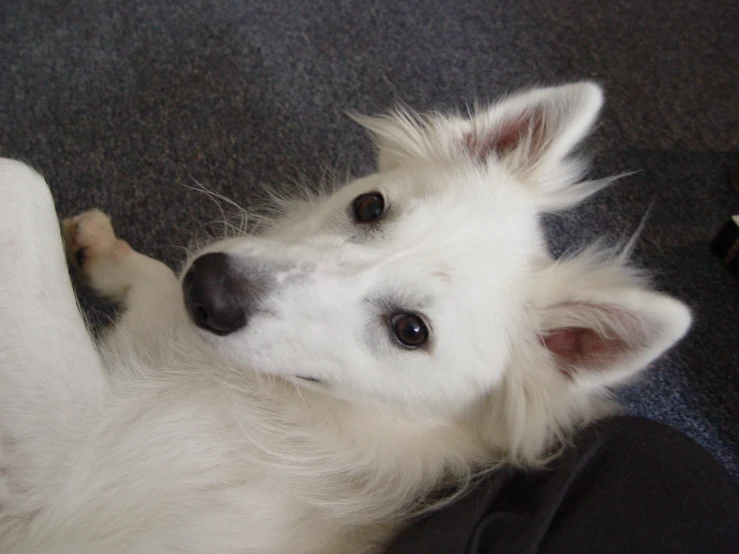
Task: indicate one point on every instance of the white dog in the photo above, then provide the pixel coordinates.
(305, 389)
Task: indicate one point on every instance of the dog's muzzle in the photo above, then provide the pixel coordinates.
(216, 298)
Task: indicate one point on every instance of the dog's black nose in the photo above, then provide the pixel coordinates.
(212, 295)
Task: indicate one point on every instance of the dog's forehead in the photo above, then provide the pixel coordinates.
(453, 214)
(466, 238)
(466, 195)
(469, 272)
(491, 263)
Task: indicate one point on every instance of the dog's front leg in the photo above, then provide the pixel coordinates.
(148, 289)
(51, 381)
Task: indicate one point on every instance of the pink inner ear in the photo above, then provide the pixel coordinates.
(582, 347)
(506, 136)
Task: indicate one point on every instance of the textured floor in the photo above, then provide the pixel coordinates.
(122, 103)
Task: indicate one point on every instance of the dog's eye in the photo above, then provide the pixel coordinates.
(410, 330)
(368, 207)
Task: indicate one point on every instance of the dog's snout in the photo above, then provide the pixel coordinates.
(213, 295)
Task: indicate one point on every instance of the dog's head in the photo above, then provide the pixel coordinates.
(420, 285)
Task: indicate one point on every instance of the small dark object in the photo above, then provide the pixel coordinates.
(410, 330)
(726, 245)
(80, 256)
(734, 169)
(368, 207)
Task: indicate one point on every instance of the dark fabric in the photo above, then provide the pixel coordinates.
(124, 104)
(627, 485)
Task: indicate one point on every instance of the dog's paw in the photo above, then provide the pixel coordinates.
(89, 238)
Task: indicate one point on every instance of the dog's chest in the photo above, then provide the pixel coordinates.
(200, 485)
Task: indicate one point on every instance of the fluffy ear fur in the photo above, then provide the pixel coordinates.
(529, 133)
(600, 322)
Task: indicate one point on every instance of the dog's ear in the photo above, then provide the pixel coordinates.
(601, 324)
(531, 133)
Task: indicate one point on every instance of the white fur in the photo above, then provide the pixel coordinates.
(168, 439)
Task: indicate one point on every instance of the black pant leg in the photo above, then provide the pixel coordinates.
(627, 485)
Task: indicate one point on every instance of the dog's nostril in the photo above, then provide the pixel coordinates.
(212, 295)
(200, 313)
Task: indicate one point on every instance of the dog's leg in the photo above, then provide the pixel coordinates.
(51, 382)
(148, 289)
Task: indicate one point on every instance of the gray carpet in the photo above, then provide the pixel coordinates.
(122, 103)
